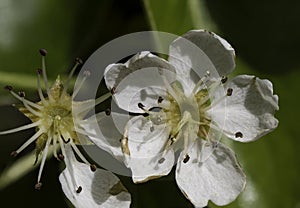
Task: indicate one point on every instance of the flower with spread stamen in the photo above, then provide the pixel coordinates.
(185, 105)
(57, 119)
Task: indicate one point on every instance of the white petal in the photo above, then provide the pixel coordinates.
(146, 149)
(219, 178)
(99, 189)
(249, 111)
(106, 131)
(199, 51)
(139, 77)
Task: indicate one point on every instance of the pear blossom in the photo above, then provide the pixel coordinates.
(57, 119)
(184, 106)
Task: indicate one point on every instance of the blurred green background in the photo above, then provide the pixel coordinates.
(265, 35)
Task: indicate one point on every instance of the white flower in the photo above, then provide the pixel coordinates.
(181, 111)
(57, 119)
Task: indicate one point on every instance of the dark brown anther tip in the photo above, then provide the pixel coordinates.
(113, 90)
(79, 190)
(93, 167)
(161, 160)
(160, 99)
(238, 135)
(43, 52)
(79, 61)
(224, 79)
(229, 91)
(8, 87)
(38, 186)
(14, 154)
(186, 159)
(61, 157)
(107, 111)
(140, 105)
(39, 71)
(22, 94)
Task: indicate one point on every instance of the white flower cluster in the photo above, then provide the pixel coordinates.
(179, 110)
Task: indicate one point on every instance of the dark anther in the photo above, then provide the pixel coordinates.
(238, 135)
(214, 144)
(229, 91)
(108, 111)
(87, 73)
(8, 87)
(38, 186)
(160, 99)
(161, 160)
(172, 140)
(43, 52)
(93, 167)
(186, 159)
(14, 154)
(151, 128)
(79, 190)
(224, 79)
(140, 105)
(79, 61)
(61, 157)
(66, 141)
(113, 90)
(39, 71)
(22, 94)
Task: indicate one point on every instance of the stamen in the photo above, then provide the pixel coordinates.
(45, 152)
(77, 63)
(93, 167)
(65, 141)
(26, 101)
(77, 151)
(43, 52)
(54, 146)
(41, 95)
(238, 135)
(38, 186)
(141, 106)
(113, 90)
(229, 91)
(91, 104)
(61, 157)
(79, 190)
(13, 154)
(29, 141)
(160, 99)
(21, 128)
(224, 79)
(107, 111)
(161, 160)
(78, 87)
(186, 159)
(34, 112)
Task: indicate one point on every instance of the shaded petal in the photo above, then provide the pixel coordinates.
(105, 131)
(249, 111)
(99, 189)
(199, 51)
(219, 178)
(146, 149)
(138, 79)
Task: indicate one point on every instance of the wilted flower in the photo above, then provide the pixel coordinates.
(57, 119)
(179, 111)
